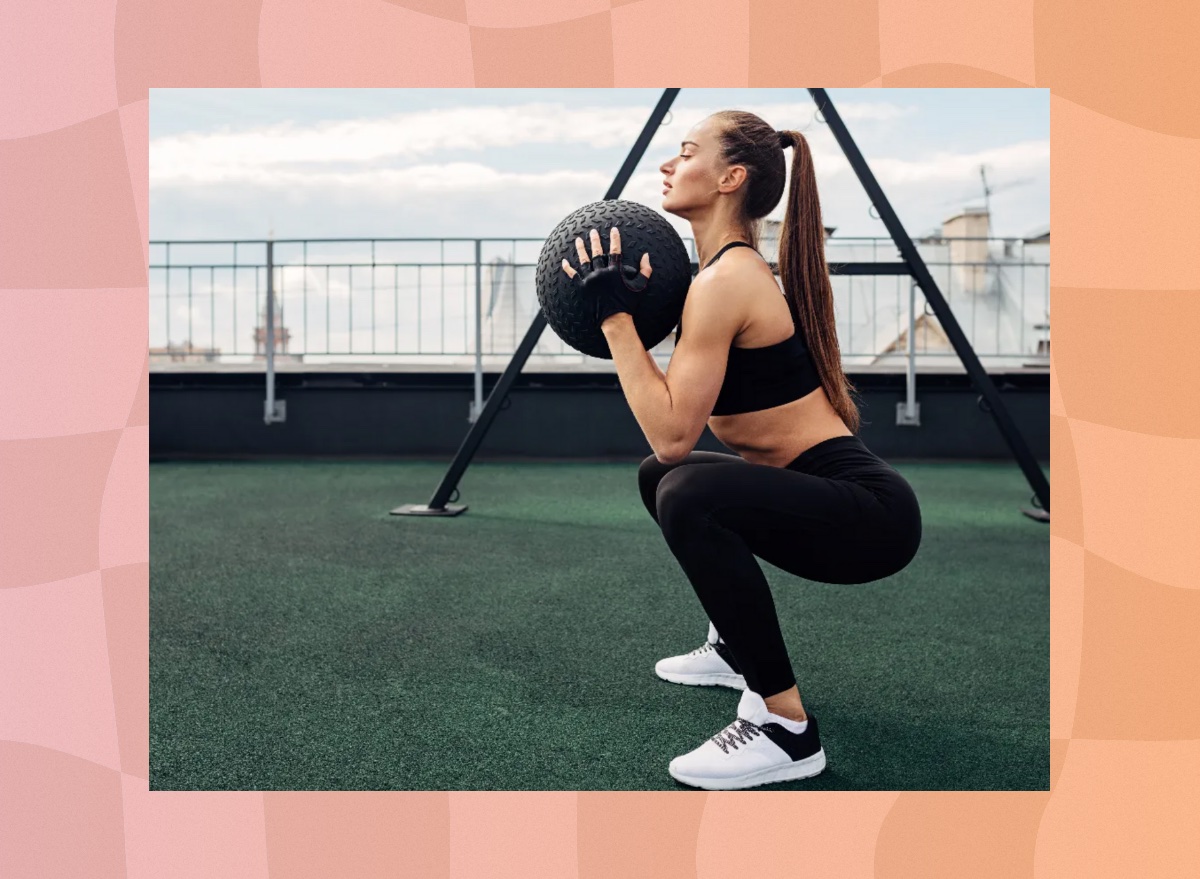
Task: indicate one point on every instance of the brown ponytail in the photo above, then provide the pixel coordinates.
(805, 277)
(747, 140)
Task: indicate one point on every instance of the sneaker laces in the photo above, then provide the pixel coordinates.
(741, 731)
(700, 651)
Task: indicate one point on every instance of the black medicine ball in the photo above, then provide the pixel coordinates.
(642, 230)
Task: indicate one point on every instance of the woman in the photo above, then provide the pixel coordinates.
(763, 371)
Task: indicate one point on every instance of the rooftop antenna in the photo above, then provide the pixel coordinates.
(987, 192)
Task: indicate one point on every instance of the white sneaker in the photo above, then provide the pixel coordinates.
(711, 665)
(752, 750)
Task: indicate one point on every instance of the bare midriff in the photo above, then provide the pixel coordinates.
(775, 436)
(779, 435)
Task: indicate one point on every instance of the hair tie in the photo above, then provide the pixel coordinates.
(786, 139)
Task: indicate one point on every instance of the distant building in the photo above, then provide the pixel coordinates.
(283, 336)
(185, 352)
(999, 297)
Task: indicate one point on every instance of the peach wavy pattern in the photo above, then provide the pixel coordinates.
(53, 489)
(56, 687)
(74, 415)
(639, 834)
(126, 597)
(1057, 407)
(1128, 61)
(60, 815)
(66, 395)
(450, 10)
(124, 511)
(315, 834)
(994, 36)
(1126, 199)
(1142, 509)
(802, 44)
(1065, 498)
(950, 76)
(784, 834)
(693, 50)
(181, 44)
(513, 835)
(193, 834)
(1122, 345)
(69, 219)
(1140, 657)
(1058, 757)
(529, 13)
(981, 835)
(567, 54)
(1066, 627)
(1123, 809)
(360, 44)
(135, 122)
(38, 97)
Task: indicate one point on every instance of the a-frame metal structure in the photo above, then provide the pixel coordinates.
(912, 265)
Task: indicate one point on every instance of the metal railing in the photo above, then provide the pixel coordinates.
(463, 304)
(402, 310)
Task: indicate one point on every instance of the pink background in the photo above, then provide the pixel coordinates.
(74, 553)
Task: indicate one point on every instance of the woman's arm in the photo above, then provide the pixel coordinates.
(673, 408)
(645, 386)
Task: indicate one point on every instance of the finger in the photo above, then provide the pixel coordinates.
(597, 248)
(583, 257)
(646, 270)
(614, 243)
(567, 268)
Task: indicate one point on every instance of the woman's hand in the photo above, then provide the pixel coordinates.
(614, 287)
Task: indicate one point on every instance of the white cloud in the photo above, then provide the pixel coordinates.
(400, 173)
(266, 152)
(957, 167)
(270, 155)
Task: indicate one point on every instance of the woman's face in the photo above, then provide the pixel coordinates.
(690, 178)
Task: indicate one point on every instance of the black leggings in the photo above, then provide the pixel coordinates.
(836, 514)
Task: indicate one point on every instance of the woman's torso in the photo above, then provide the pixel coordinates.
(774, 436)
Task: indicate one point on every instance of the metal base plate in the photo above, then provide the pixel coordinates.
(902, 417)
(424, 510)
(1038, 515)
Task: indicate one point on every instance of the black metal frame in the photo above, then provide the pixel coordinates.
(913, 265)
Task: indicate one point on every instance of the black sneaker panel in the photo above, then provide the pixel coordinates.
(726, 654)
(795, 745)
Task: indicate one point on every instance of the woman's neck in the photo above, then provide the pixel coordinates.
(711, 238)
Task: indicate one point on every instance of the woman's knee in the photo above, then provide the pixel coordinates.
(650, 465)
(650, 473)
(680, 497)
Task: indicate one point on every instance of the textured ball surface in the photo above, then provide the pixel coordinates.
(642, 230)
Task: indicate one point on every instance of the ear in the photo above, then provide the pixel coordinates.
(733, 177)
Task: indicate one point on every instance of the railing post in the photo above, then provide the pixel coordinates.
(273, 410)
(477, 404)
(908, 413)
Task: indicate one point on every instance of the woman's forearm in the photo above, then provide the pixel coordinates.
(644, 384)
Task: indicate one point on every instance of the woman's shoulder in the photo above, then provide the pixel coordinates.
(741, 271)
(729, 290)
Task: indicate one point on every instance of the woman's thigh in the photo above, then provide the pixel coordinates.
(821, 529)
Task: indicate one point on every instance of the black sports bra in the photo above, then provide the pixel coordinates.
(759, 378)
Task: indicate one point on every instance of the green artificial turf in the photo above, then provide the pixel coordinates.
(303, 638)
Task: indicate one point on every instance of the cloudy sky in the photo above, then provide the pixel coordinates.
(311, 163)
